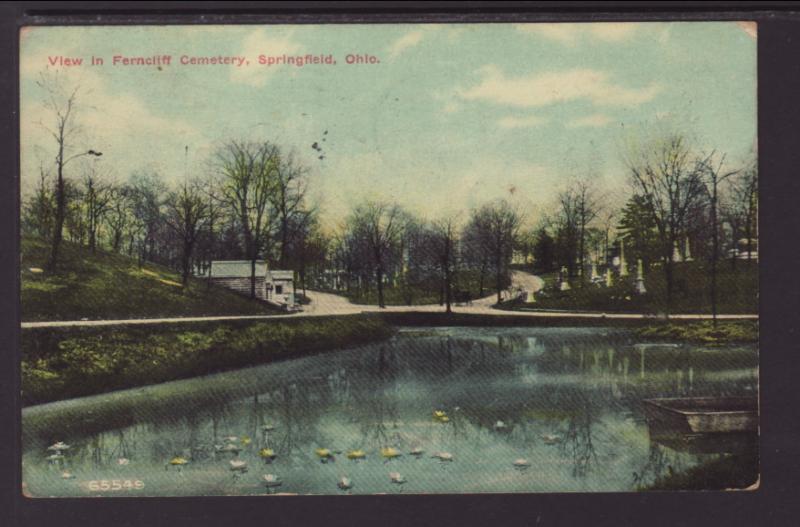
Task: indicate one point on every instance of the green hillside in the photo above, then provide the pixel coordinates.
(110, 286)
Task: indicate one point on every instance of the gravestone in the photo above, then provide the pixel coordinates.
(563, 284)
(623, 265)
(640, 289)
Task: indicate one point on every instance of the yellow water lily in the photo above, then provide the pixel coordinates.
(246, 440)
(267, 453)
(390, 452)
(323, 453)
(356, 454)
(178, 461)
(441, 416)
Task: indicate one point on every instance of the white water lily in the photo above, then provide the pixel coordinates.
(551, 439)
(271, 480)
(238, 465)
(521, 463)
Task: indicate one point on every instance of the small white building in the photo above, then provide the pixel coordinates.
(276, 287)
(280, 287)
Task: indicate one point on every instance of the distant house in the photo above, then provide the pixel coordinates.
(272, 286)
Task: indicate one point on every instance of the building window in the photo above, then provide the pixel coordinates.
(278, 289)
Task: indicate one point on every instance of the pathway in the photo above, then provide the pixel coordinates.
(326, 304)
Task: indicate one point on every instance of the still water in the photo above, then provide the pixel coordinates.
(567, 401)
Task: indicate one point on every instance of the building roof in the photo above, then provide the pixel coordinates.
(236, 269)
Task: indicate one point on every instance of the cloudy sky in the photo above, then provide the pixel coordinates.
(452, 116)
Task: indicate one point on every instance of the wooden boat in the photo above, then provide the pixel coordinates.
(701, 415)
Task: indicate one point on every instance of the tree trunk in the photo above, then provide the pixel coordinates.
(379, 277)
(252, 276)
(448, 289)
(714, 254)
(60, 211)
(498, 277)
(185, 267)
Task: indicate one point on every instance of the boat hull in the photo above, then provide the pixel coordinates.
(701, 415)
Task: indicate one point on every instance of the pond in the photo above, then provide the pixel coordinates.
(566, 401)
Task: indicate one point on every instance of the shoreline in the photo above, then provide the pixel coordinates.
(61, 363)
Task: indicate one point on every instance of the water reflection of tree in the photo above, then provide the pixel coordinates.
(578, 440)
(300, 406)
(660, 461)
(374, 406)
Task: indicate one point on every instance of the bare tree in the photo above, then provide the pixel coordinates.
(38, 209)
(379, 225)
(713, 174)
(118, 215)
(567, 229)
(588, 207)
(666, 175)
(97, 199)
(475, 248)
(187, 215)
(498, 224)
(248, 179)
(308, 246)
(287, 202)
(147, 206)
(61, 102)
(740, 208)
(444, 240)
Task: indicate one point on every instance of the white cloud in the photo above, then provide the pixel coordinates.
(267, 42)
(590, 121)
(521, 122)
(555, 87)
(571, 33)
(121, 125)
(409, 40)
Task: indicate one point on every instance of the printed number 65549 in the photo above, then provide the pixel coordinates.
(113, 485)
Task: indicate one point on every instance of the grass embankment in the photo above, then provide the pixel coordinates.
(423, 293)
(737, 291)
(727, 472)
(704, 332)
(111, 286)
(73, 362)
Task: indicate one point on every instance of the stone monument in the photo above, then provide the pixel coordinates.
(563, 284)
(640, 289)
(623, 265)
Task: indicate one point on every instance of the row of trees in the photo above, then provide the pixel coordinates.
(382, 243)
(677, 196)
(251, 203)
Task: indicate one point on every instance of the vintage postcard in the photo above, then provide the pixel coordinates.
(395, 258)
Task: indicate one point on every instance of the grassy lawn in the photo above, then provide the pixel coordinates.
(737, 292)
(703, 332)
(427, 292)
(61, 363)
(110, 286)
